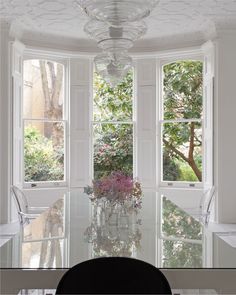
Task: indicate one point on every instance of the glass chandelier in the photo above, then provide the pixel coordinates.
(113, 66)
(115, 25)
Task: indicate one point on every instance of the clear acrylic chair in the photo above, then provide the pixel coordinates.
(25, 212)
(203, 211)
(206, 204)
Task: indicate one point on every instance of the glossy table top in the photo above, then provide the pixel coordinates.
(74, 230)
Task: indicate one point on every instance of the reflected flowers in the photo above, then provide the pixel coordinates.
(114, 230)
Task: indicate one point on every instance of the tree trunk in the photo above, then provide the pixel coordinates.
(197, 172)
(47, 99)
(53, 108)
(190, 159)
(56, 110)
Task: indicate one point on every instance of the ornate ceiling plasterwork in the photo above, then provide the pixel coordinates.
(172, 21)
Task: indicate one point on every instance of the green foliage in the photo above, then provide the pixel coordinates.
(182, 87)
(183, 90)
(42, 161)
(113, 103)
(181, 255)
(113, 145)
(113, 150)
(172, 171)
(178, 223)
(186, 173)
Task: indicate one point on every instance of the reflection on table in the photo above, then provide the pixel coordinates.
(181, 238)
(114, 230)
(74, 230)
(43, 239)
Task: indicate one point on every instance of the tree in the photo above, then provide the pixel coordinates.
(113, 150)
(113, 104)
(183, 100)
(171, 171)
(52, 78)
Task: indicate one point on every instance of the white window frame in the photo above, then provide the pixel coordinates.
(65, 120)
(131, 122)
(198, 56)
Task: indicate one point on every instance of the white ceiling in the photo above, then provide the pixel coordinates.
(171, 22)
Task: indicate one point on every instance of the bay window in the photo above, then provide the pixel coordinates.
(101, 135)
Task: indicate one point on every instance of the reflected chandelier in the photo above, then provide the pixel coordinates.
(115, 25)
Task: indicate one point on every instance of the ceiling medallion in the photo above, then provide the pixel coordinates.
(115, 25)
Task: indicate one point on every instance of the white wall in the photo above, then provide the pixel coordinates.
(145, 130)
(4, 124)
(225, 127)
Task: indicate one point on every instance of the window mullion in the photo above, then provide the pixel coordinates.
(45, 120)
(113, 122)
(180, 121)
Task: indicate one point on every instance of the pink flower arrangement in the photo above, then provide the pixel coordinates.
(115, 187)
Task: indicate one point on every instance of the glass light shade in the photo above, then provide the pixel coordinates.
(115, 45)
(115, 25)
(102, 31)
(112, 67)
(117, 11)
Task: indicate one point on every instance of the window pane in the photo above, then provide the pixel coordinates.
(113, 104)
(176, 223)
(180, 254)
(182, 87)
(43, 89)
(113, 149)
(182, 152)
(43, 151)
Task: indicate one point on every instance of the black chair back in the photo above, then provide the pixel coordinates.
(113, 275)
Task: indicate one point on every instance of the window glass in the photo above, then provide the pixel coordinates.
(112, 141)
(113, 104)
(113, 149)
(43, 151)
(182, 90)
(181, 121)
(182, 151)
(43, 89)
(44, 127)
